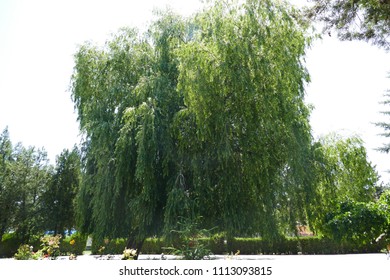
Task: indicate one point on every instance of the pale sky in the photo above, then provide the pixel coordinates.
(39, 38)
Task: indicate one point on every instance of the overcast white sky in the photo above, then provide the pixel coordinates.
(39, 38)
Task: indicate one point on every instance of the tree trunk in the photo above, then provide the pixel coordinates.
(133, 243)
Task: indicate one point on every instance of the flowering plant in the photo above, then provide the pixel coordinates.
(24, 252)
(51, 245)
(129, 254)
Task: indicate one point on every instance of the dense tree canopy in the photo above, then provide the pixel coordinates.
(343, 174)
(198, 117)
(58, 200)
(36, 197)
(196, 124)
(367, 20)
(7, 192)
(24, 176)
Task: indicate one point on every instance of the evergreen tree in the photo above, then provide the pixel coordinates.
(367, 20)
(8, 193)
(385, 125)
(30, 175)
(59, 199)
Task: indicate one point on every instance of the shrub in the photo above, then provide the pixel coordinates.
(9, 245)
(11, 242)
(108, 247)
(51, 245)
(192, 241)
(358, 223)
(24, 252)
(73, 245)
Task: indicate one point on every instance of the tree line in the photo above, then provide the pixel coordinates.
(36, 197)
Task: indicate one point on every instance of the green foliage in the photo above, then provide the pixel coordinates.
(35, 198)
(30, 176)
(247, 116)
(8, 193)
(252, 246)
(154, 246)
(73, 244)
(31, 173)
(384, 202)
(11, 242)
(51, 245)
(311, 245)
(59, 198)
(366, 20)
(343, 173)
(189, 237)
(197, 117)
(357, 222)
(317, 245)
(25, 252)
(302, 245)
(108, 246)
(385, 197)
(385, 125)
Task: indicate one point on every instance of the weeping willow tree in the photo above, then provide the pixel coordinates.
(198, 117)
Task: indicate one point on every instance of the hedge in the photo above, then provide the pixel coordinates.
(217, 245)
(247, 246)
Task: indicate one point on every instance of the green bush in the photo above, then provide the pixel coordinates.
(10, 243)
(24, 253)
(358, 223)
(74, 244)
(108, 247)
